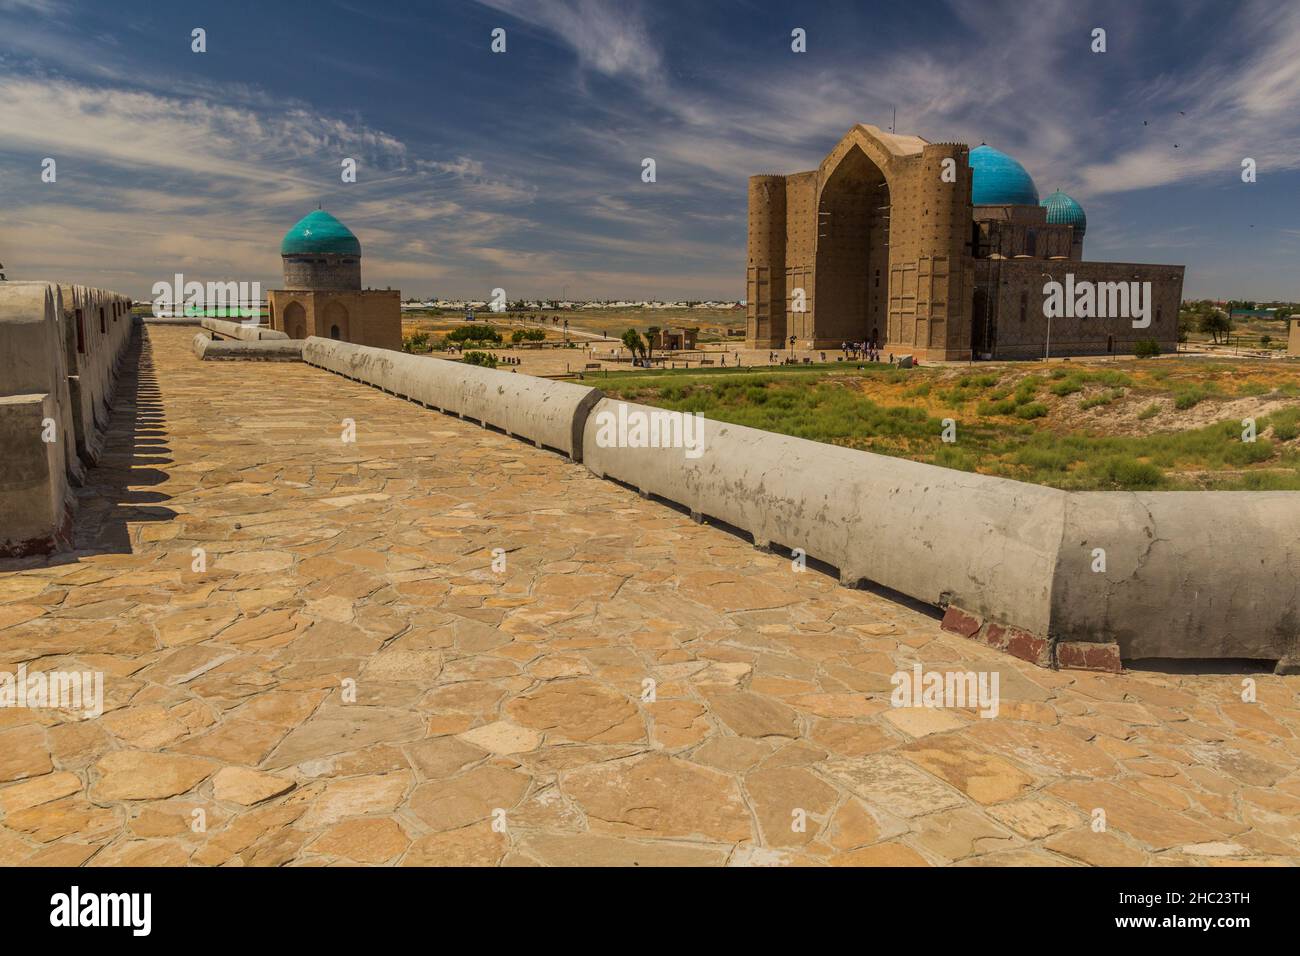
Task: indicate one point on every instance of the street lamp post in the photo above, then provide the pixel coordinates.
(792, 341)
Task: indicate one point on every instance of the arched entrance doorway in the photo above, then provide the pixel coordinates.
(852, 252)
(295, 320)
(335, 322)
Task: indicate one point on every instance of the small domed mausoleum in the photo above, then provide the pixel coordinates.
(319, 252)
(322, 292)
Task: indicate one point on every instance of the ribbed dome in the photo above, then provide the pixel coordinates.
(319, 232)
(998, 180)
(1062, 210)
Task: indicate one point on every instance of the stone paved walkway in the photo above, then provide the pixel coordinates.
(517, 697)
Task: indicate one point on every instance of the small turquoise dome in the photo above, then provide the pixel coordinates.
(319, 232)
(1062, 210)
(998, 180)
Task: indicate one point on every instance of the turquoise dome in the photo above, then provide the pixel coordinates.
(1062, 210)
(318, 232)
(998, 180)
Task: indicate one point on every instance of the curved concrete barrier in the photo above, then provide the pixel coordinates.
(245, 333)
(547, 413)
(1083, 579)
(1079, 579)
(269, 350)
(939, 535)
(1191, 574)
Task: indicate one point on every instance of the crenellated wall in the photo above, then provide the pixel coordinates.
(60, 348)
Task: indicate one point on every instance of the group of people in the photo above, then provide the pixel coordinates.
(869, 350)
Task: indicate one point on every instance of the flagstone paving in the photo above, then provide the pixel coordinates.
(349, 680)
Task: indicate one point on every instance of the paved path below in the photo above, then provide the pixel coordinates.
(350, 680)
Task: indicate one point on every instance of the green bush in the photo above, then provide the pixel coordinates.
(949, 456)
(1043, 459)
(1109, 377)
(1003, 407)
(1249, 452)
(1146, 348)
(1031, 410)
(1105, 398)
(1151, 411)
(1124, 473)
(1190, 396)
(474, 333)
(1027, 390)
(417, 342)
(480, 358)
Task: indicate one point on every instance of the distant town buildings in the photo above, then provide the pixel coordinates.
(544, 305)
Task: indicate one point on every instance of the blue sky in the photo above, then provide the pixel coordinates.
(522, 170)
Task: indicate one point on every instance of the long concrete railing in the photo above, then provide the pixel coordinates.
(1210, 574)
(245, 333)
(547, 413)
(1074, 578)
(938, 535)
(1153, 574)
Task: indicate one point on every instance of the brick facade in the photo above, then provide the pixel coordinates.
(881, 242)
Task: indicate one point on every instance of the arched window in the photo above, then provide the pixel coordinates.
(334, 331)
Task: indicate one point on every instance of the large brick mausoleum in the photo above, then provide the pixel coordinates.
(934, 249)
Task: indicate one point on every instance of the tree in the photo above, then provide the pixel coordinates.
(632, 339)
(1216, 323)
(651, 334)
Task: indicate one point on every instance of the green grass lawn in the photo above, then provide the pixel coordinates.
(1006, 422)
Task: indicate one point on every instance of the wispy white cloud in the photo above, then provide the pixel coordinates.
(209, 173)
(609, 38)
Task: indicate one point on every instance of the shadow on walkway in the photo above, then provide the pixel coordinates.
(134, 448)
